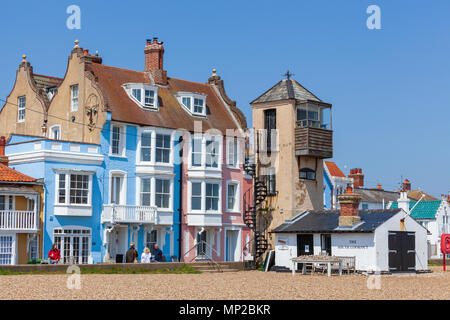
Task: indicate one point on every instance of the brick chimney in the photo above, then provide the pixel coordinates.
(3, 158)
(358, 177)
(349, 203)
(154, 53)
(406, 185)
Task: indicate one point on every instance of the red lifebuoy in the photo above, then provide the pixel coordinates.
(445, 243)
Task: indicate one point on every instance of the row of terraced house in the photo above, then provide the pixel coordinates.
(109, 156)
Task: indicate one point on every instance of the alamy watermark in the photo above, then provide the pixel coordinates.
(74, 20)
(374, 20)
(74, 280)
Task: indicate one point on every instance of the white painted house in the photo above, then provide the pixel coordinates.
(380, 240)
(433, 215)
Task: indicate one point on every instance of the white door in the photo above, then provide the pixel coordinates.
(7, 249)
(232, 239)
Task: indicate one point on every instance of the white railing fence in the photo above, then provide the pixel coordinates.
(17, 220)
(125, 213)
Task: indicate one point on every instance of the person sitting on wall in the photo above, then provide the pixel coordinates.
(54, 254)
(157, 253)
(146, 256)
(132, 254)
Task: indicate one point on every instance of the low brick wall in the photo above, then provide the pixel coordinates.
(106, 266)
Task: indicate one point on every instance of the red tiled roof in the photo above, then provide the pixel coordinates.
(170, 113)
(11, 175)
(334, 169)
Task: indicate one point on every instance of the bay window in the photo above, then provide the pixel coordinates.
(146, 192)
(162, 193)
(233, 153)
(146, 146)
(163, 148)
(212, 153)
(196, 152)
(196, 197)
(74, 188)
(212, 197)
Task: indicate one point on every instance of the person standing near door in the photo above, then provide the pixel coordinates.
(158, 256)
(132, 254)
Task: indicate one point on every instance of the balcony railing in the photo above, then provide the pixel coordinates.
(129, 214)
(18, 220)
(311, 141)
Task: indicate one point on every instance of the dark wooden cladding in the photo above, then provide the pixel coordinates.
(316, 142)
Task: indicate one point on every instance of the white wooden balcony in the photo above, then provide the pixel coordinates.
(115, 213)
(18, 220)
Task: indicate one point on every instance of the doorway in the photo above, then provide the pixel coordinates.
(118, 243)
(305, 246)
(402, 251)
(231, 243)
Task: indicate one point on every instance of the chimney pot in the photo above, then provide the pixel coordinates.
(358, 177)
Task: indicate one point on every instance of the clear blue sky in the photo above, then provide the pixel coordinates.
(389, 88)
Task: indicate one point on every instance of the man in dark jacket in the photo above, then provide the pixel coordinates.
(157, 253)
(131, 254)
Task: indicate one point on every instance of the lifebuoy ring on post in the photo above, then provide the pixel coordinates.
(445, 243)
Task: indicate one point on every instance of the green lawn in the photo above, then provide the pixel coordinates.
(93, 270)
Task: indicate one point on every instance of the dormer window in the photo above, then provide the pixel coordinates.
(193, 102)
(145, 95)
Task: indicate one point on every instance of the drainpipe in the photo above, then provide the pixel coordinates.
(180, 206)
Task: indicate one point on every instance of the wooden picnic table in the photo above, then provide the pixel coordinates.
(316, 259)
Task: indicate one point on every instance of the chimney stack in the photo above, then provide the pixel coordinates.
(403, 201)
(3, 158)
(349, 203)
(406, 186)
(358, 178)
(154, 53)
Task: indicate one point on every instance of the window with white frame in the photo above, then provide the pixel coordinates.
(74, 98)
(196, 196)
(145, 95)
(163, 148)
(7, 243)
(55, 132)
(156, 191)
(74, 244)
(146, 146)
(117, 140)
(233, 196)
(146, 186)
(162, 193)
(212, 153)
(212, 197)
(74, 188)
(232, 153)
(21, 108)
(193, 102)
(196, 154)
(117, 184)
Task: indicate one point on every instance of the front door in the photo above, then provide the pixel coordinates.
(231, 245)
(402, 253)
(118, 244)
(202, 245)
(305, 244)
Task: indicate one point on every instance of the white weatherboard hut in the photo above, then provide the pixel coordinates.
(380, 240)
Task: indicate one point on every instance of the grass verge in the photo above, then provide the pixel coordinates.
(184, 269)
